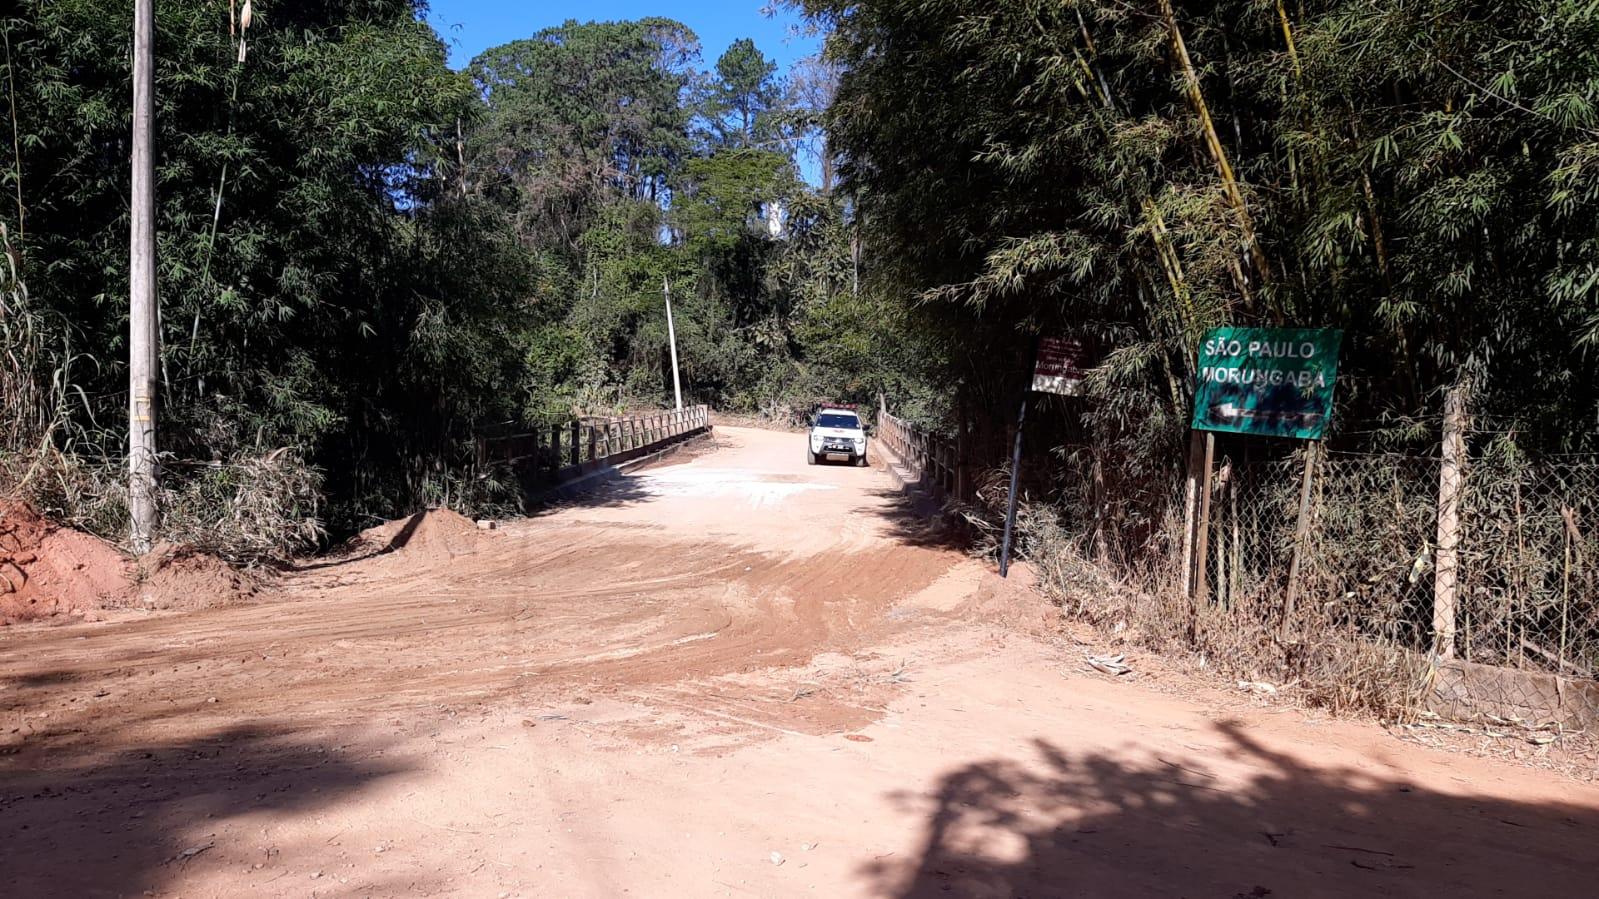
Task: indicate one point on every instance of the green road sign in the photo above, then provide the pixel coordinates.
(1275, 382)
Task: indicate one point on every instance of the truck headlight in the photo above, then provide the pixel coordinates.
(816, 441)
(860, 443)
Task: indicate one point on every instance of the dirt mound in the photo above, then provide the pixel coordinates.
(433, 534)
(47, 570)
(180, 577)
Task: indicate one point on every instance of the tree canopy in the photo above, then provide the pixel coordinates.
(374, 259)
(1419, 174)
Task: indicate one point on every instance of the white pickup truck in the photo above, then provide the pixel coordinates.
(836, 435)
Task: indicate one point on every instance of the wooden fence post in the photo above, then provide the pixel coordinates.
(1451, 483)
(594, 448)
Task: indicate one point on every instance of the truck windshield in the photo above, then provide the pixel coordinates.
(837, 421)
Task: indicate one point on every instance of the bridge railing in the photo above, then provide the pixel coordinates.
(934, 459)
(565, 450)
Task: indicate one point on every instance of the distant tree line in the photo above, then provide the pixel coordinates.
(370, 257)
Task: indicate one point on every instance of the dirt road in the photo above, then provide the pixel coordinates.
(735, 676)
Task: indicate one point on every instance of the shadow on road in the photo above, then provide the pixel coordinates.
(917, 520)
(1098, 826)
(120, 824)
(621, 491)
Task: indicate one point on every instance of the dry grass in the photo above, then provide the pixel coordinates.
(259, 505)
(1321, 663)
(254, 508)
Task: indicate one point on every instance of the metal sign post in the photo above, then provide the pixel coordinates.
(1058, 369)
(1010, 505)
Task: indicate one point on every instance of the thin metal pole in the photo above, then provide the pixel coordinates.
(143, 334)
(1010, 505)
(671, 338)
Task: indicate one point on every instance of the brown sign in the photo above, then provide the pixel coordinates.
(1059, 367)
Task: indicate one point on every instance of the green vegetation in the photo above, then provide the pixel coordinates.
(1424, 175)
(368, 258)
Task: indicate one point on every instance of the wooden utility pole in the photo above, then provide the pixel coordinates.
(1451, 483)
(143, 334)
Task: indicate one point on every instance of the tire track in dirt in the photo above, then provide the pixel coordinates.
(726, 566)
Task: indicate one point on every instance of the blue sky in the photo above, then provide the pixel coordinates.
(472, 26)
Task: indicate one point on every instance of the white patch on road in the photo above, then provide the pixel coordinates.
(714, 482)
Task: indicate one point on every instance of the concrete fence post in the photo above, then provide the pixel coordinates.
(1451, 484)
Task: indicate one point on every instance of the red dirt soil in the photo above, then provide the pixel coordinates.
(52, 572)
(739, 676)
(179, 577)
(47, 570)
(432, 535)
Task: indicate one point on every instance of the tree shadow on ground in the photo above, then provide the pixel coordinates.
(622, 487)
(621, 490)
(151, 818)
(1104, 826)
(916, 519)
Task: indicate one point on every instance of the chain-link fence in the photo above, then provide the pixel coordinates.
(1340, 572)
(1529, 564)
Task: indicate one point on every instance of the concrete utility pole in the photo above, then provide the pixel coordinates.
(671, 338)
(143, 335)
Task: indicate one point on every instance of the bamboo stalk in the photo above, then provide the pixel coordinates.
(1093, 53)
(1218, 153)
(16, 140)
(1173, 267)
(1288, 39)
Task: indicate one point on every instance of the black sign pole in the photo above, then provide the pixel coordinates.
(1010, 505)
(1016, 464)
